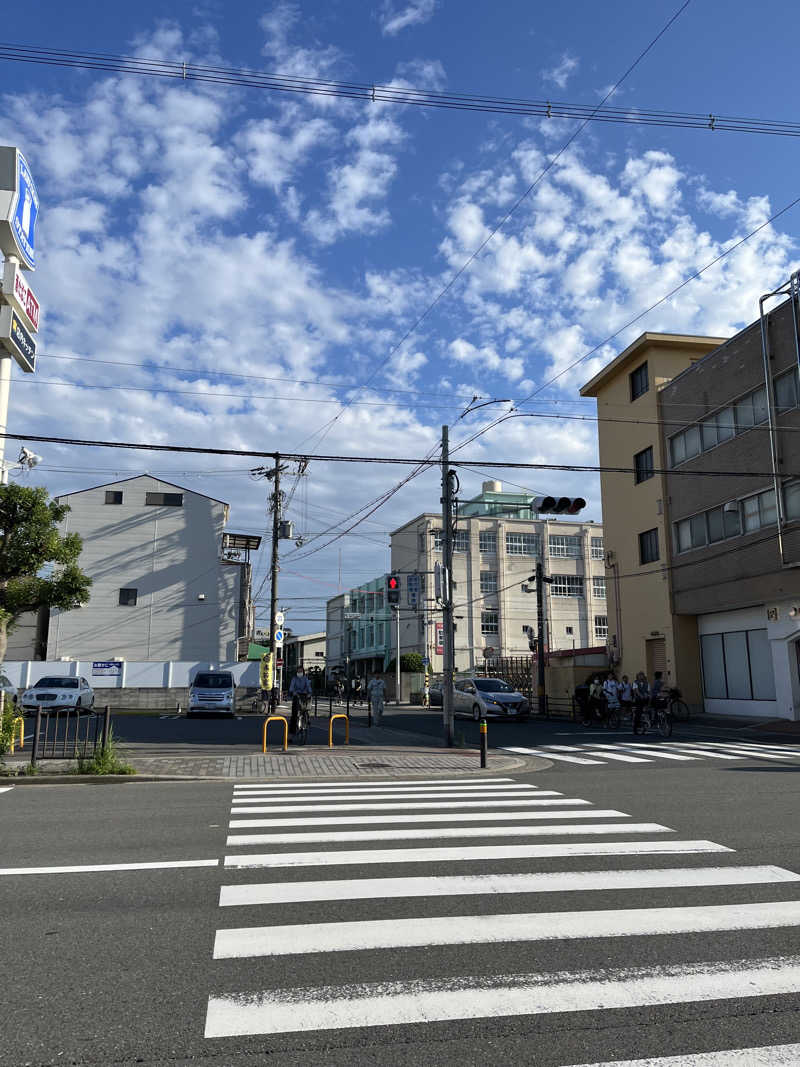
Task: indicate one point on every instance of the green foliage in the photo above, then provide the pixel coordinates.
(105, 761)
(6, 726)
(410, 663)
(38, 566)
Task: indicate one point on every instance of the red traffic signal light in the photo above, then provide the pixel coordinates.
(393, 589)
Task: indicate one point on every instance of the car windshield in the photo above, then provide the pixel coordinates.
(493, 685)
(213, 681)
(57, 683)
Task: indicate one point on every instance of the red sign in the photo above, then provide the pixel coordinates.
(27, 301)
(439, 638)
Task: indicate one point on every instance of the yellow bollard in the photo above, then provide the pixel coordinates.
(346, 729)
(276, 718)
(21, 722)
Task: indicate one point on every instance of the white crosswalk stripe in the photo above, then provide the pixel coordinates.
(462, 898)
(591, 753)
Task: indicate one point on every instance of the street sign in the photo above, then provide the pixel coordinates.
(107, 668)
(439, 638)
(20, 296)
(16, 339)
(279, 638)
(280, 618)
(19, 207)
(413, 589)
(426, 661)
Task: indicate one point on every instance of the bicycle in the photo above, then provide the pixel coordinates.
(678, 708)
(300, 716)
(654, 717)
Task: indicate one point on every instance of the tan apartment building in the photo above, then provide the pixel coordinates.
(645, 631)
(498, 539)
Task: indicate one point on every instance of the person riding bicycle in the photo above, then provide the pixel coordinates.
(299, 690)
(641, 698)
(657, 691)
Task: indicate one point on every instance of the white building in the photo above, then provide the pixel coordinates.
(168, 582)
(498, 540)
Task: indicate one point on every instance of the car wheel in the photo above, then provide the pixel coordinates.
(476, 712)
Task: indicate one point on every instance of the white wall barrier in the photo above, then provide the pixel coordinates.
(119, 674)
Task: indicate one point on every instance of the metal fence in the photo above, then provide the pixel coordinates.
(69, 734)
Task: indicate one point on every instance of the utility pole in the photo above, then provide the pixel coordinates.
(397, 657)
(448, 637)
(273, 596)
(540, 687)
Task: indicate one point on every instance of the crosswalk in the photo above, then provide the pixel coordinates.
(587, 753)
(361, 928)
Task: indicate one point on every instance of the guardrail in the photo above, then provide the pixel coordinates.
(276, 718)
(69, 733)
(346, 718)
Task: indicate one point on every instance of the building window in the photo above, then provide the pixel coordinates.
(519, 544)
(791, 498)
(361, 638)
(565, 547)
(461, 541)
(597, 548)
(127, 598)
(164, 500)
(601, 626)
(640, 381)
(113, 496)
(737, 666)
(648, 546)
(438, 540)
(488, 582)
(786, 391)
(379, 600)
(379, 634)
(566, 585)
(758, 511)
(370, 636)
(599, 586)
(568, 631)
(643, 465)
(487, 542)
(489, 623)
(708, 528)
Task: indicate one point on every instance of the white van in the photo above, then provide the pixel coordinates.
(212, 691)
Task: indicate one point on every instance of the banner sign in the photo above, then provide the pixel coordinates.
(439, 638)
(413, 590)
(107, 668)
(19, 294)
(16, 339)
(19, 207)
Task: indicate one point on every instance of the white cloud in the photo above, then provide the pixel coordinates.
(560, 74)
(394, 19)
(487, 358)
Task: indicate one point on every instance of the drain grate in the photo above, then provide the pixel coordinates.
(373, 766)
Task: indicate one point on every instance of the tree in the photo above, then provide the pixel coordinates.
(38, 567)
(410, 663)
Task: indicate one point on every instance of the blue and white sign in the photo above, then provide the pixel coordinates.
(19, 208)
(107, 668)
(426, 661)
(413, 590)
(279, 638)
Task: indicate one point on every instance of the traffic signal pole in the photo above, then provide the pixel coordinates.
(448, 637)
(397, 658)
(540, 686)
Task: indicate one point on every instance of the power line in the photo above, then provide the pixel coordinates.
(388, 94)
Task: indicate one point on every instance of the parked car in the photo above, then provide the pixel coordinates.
(58, 691)
(435, 694)
(9, 689)
(489, 698)
(212, 691)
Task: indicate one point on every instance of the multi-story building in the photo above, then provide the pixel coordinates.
(359, 630)
(498, 540)
(303, 650)
(730, 426)
(646, 632)
(168, 582)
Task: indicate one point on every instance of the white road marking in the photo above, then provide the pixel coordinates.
(471, 853)
(415, 834)
(764, 1056)
(447, 817)
(743, 750)
(615, 755)
(479, 884)
(6, 788)
(439, 805)
(313, 794)
(549, 755)
(94, 867)
(656, 752)
(279, 1011)
(695, 747)
(436, 798)
(420, 932)
(423, 783)
(754, 746)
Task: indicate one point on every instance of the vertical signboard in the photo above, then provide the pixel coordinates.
(439, 638)
(19, 207)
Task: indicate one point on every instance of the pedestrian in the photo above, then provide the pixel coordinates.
(658, 685)
(626, 696)
(357, 691)
(611, 689)
(641, 698)
(376, 693)
(597, 699)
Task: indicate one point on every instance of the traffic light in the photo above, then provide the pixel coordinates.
(393, 589)
(559, 505)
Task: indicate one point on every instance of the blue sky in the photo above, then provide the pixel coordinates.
(187, 231)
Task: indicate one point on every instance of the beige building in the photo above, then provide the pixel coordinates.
(498, 539)
(645, 631)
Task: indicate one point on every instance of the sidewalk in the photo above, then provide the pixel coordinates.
(758, 726)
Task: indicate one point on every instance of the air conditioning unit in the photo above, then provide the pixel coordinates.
(731, 506)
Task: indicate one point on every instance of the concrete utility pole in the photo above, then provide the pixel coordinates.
(273, 596)
(397, 658)
(448, 637)
(540, 686)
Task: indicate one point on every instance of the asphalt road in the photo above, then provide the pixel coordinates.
(119, 967)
